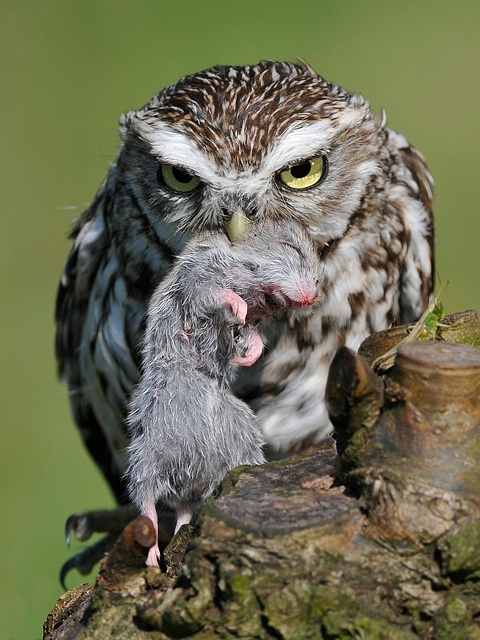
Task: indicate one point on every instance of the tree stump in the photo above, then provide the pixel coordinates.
(381, 541)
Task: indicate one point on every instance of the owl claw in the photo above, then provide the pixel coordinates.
(79, 524)
(85, 560)
(84, 525)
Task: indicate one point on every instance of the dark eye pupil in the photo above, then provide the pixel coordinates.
(181, 176)
(301, 170)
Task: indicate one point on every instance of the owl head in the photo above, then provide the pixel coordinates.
(233, 144)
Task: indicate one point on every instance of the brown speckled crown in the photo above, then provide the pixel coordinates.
(217, 106)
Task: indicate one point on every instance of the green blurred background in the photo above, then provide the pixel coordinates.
(68, 70)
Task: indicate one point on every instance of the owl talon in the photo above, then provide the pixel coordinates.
(84, 525)
(85, 560)
(79, 525)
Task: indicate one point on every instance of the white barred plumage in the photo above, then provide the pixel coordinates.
(274, 141)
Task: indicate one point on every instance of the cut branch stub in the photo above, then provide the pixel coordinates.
(301, 493)
(418, 469)
(128, 553)
(436, 421)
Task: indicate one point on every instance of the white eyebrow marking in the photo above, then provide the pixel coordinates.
(299, 142)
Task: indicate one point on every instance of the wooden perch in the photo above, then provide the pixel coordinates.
(380, 542)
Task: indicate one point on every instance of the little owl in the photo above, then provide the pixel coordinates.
(217, 150)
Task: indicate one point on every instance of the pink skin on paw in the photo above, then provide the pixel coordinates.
(253, 352)
(154, 552)
(184, 332)
(184, 515)
(235, 302)
(153, 556)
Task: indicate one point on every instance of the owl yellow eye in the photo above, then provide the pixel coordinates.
(305, 174)
(177, 178)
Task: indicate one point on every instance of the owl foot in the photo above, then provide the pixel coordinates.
(85, 560)
(112, 522)
(84, 525)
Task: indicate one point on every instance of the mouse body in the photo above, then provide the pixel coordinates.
(187, 428)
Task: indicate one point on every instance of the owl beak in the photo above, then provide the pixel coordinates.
(237, 225)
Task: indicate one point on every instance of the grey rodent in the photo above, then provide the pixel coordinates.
(187, 428)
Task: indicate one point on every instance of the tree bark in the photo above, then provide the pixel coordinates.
(380, 542)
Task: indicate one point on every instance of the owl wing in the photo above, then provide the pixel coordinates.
(418, 275)
(92, 336)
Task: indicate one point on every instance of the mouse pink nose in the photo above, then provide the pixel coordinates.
(306, 296)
